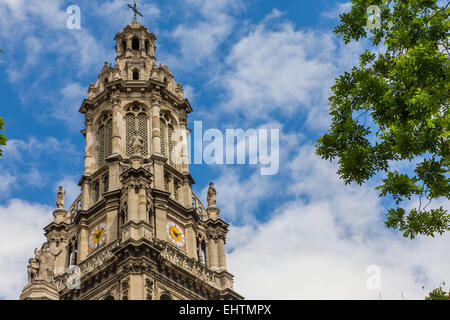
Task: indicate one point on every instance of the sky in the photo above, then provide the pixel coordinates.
(299, 234)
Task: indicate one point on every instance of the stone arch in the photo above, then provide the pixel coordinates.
(165, 296)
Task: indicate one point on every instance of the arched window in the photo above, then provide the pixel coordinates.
(135, 43)
(73, 252)
(136, 121)
(165, 296)
(167, 144)
(104, 139)
(123, 218)
(135, 74)
(124, 46)
(201, 250)
(147, 46)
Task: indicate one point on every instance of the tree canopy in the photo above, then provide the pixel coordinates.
(390, 114)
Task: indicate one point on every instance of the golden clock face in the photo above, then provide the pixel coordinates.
(98, 236)
(175, 234)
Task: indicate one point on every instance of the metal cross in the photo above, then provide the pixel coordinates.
(135, 10)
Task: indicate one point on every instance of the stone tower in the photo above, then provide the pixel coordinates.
(137, 231)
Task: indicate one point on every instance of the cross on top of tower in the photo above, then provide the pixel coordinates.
(135, 10)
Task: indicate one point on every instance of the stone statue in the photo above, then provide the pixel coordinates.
(211, 198)
(137, 145)
(179, 90)
(46, 262)
(33, 269)
(60, 197)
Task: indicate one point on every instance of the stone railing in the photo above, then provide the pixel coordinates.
(75, 207)
(91, 263)
(192, 266)
(198, 206)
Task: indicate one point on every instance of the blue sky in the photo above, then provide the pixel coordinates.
(252, 64)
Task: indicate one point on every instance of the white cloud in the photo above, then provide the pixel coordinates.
(320, 244)
(21, 230)
(337, 9)
(200, 38)
(72, 96)
(281, 71)
(117, 14)
(7, 182)
(33, 148)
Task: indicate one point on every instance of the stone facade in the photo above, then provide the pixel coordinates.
(137, 231)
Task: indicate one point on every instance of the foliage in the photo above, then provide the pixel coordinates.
(394, 107)
(438, 294)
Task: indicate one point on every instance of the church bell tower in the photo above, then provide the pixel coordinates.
(137, 231)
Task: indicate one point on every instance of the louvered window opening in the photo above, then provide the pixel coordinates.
(136, 120)
(104, 139)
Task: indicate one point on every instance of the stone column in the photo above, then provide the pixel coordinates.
(186, 193)
(142, 206)
(89, 160)
(111, 222)
(114, 176)
(85, 196)
(156, 131)
(117, 116)
(222, 254)
(128, 43)
(207, 255)
(137, 287)
(83, 243)
(191, 242)
(132, 202)
(161, 221)
(213, 254)
(184, 149)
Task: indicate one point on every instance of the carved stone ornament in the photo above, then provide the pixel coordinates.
(149, 288)
(137, 145)
(125, 288)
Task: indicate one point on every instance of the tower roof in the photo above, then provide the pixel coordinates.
(134, 28)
